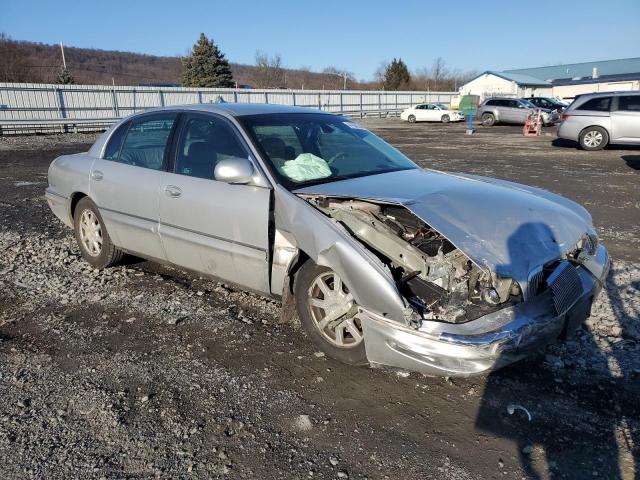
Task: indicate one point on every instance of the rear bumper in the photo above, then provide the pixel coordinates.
(59, 205)
(484, 344)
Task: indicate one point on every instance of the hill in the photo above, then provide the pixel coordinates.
(25, 61)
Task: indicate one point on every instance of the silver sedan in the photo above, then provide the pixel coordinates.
(384, 262)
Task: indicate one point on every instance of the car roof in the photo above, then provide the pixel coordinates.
(237, 109)
(608, 94)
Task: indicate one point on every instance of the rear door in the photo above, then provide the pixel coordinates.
(625, 118)
(207, 225)
(125, 183)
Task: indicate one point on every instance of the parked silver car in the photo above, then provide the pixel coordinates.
(512, 110)
(385, 262)
(597, 119)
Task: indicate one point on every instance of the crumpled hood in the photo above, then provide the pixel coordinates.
(503, 226)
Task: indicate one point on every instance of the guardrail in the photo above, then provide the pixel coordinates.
(34, 108)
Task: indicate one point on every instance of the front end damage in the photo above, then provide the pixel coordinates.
(465, 318)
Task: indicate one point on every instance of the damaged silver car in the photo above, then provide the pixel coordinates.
(386, 263)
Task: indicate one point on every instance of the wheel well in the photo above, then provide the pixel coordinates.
(593, 126)
(75, 198)
(295, 266)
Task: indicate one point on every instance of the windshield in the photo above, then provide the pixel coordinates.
(442, 106)
(304, 149)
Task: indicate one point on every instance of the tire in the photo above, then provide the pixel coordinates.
(306, 289)
(488, 119)
(593, 138)
(412, 119)
(445, 119)
(92, 236)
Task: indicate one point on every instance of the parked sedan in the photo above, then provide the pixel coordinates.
(431, 112)
(512, 110)
(384, 262)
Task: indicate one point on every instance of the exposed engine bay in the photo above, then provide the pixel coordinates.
(437, 279)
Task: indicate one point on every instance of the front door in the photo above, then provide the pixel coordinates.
(125, 183)
(625, 119)
(211, 226)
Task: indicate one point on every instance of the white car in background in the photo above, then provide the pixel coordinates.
(431, 112)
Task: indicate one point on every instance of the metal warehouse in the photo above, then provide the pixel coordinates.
(562, 81)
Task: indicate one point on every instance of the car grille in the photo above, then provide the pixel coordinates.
(565, 285)
(536, 279)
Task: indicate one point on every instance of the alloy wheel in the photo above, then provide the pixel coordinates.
(333, 310)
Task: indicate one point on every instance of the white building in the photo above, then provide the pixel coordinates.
(561, 81)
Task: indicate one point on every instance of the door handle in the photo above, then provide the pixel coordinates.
(96, 175)
(172, 191)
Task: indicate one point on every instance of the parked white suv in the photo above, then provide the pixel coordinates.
(597, 119)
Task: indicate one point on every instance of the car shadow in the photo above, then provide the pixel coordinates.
(564, 143)
(555, 442)
(632, 161)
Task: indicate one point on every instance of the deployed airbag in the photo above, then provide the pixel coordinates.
(306, 166)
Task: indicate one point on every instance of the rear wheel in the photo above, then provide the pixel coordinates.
(412, 119)
(488, 119)
(445, 119)
(593, 138)
(329, 314)
(92, 237)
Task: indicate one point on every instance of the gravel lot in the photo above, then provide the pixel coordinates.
(143, 370)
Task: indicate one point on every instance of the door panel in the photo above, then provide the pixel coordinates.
(209, 226)
(218, 229)
(128, 199)
(625, 119)
(125, 185)
(625, 126)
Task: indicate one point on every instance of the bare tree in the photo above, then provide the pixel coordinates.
(13, 67)
(340, 76)
(268, 72)
(379, 74)
(439, 72)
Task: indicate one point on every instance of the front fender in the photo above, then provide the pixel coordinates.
(307, 229)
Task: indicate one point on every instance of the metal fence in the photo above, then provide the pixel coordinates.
(45, 107)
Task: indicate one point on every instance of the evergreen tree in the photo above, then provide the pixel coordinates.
(206, 66)
(396, 76)
(65, 77)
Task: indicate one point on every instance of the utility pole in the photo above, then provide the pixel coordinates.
(64, 62)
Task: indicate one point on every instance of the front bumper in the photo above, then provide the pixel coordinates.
(484, 344)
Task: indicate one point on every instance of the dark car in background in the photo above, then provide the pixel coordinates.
(548, 103)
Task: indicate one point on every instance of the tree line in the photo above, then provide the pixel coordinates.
(204, 66)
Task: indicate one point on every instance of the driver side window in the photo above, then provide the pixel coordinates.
(204, 141)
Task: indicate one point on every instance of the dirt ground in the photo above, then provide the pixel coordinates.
(146, 371)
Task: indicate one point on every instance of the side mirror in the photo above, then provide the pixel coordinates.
(234, 170)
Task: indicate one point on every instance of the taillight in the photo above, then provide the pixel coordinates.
(564, 116)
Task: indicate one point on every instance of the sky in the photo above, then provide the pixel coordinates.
(355, 35)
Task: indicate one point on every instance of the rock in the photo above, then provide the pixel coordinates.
(333, 461)
(303, 423)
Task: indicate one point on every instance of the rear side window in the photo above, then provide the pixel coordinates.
(596, 104)
(146, 141)
(629, 103)
(115, 142)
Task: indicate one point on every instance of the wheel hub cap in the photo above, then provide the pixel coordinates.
(91, 233)
(593, 139)
(333, 311)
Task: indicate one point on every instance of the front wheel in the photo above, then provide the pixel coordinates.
(412, 119)
(445, 119)
(329, 314)
(593, 138)
(92, 237)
